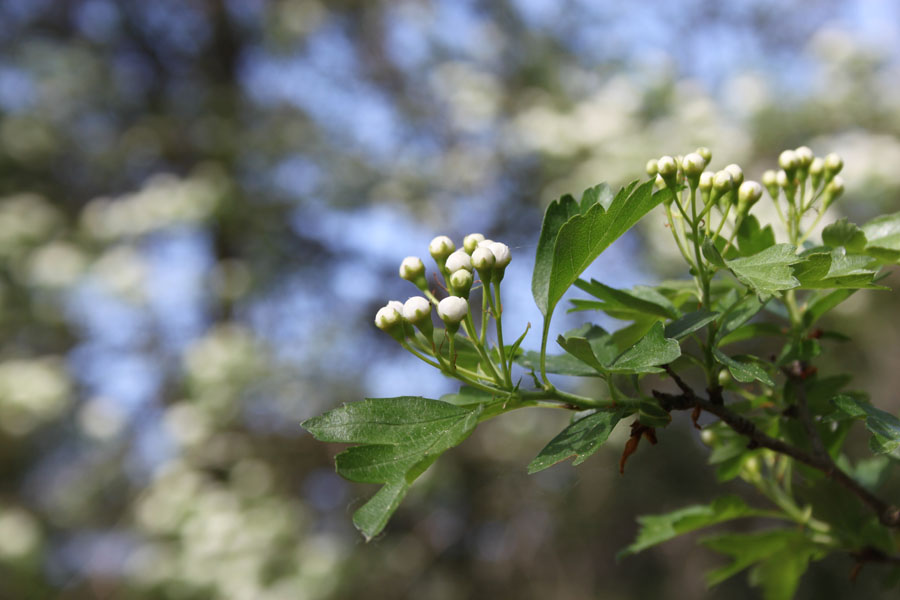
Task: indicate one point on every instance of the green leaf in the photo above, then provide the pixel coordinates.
(752, 330)
(884, 426)
(467, 396)
(595, 347)
(712, 253)
(399, 438)
(846, 234)
(835, 269)
(821, 304)
(767, 272)
(656, 529)
(753, 240)
(737, 313)
(555, 217)
(581, 239)
(642, 300)
(689, 323)
(744, 371)
(581, 439)
(560, 364)
(781, 556)
(883, 237)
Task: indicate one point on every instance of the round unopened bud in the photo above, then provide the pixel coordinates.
(706, 181)
(470, 242)
(461, 283)
(667, 166)
(737, 174)
(440, 248)
(833, 190)
(413, 269)
(723, 181)
(805, 156)
(396, 305)
(707, 436)
(782, 180)
(817, 166)
(483, 259)
(705, 152)
(724, 377)
(485, 243)
(652, 168)
(788, 160)
(770, 180)
(501, 254)
(389, 320)
(452, 309)
(458, 260)
(748, 194)
(833, 165)
(417, 310)
(693, 165)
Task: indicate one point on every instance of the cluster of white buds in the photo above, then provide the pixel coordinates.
(800, 166)
(487, 257)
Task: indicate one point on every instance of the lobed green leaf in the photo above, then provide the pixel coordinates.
(582, 438)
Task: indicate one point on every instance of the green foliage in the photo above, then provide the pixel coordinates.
(781, 425)
(580, 440)
(399, 438)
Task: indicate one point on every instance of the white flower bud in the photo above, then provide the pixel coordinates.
(659, 182)
(833, 165)
(387, 317)
(705, 152)
(485, 243)
(412, 268)
(389, 320)
(396, 305)
(460, 283)
(805, 156)
(748, 194)
(817, 166)
(440, 248)
(737, 174)
(470, 242)
(652, 168)
(667, 166)
(770, 180)
(706, 181)
(458, 260)
(832, 191)
(781, 178)
(723, 181)
(693, 165)
(788, 160)
(483, 258)
(416, 308)
(501, 254)
(453, 309)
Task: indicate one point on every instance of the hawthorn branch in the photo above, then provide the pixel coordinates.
(888, 514)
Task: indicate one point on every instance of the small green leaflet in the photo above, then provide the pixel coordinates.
(883, 237)
(689, 323)
(580, 440)
(567, 247)
(835, 269)
(781, 557)
(884, 426)
(767, 272)
(556, 215)
(751, 238)
(844, 233)
(399, 438)
(744, 371)
(737, 313)
(656, 529)
(642, 300)
(561, 364)
(595, 348)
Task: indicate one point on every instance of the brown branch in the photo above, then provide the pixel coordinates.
(888, 514)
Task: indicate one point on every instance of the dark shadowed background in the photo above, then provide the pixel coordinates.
(204, 202)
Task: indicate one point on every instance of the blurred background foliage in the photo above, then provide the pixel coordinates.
(202, 204)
